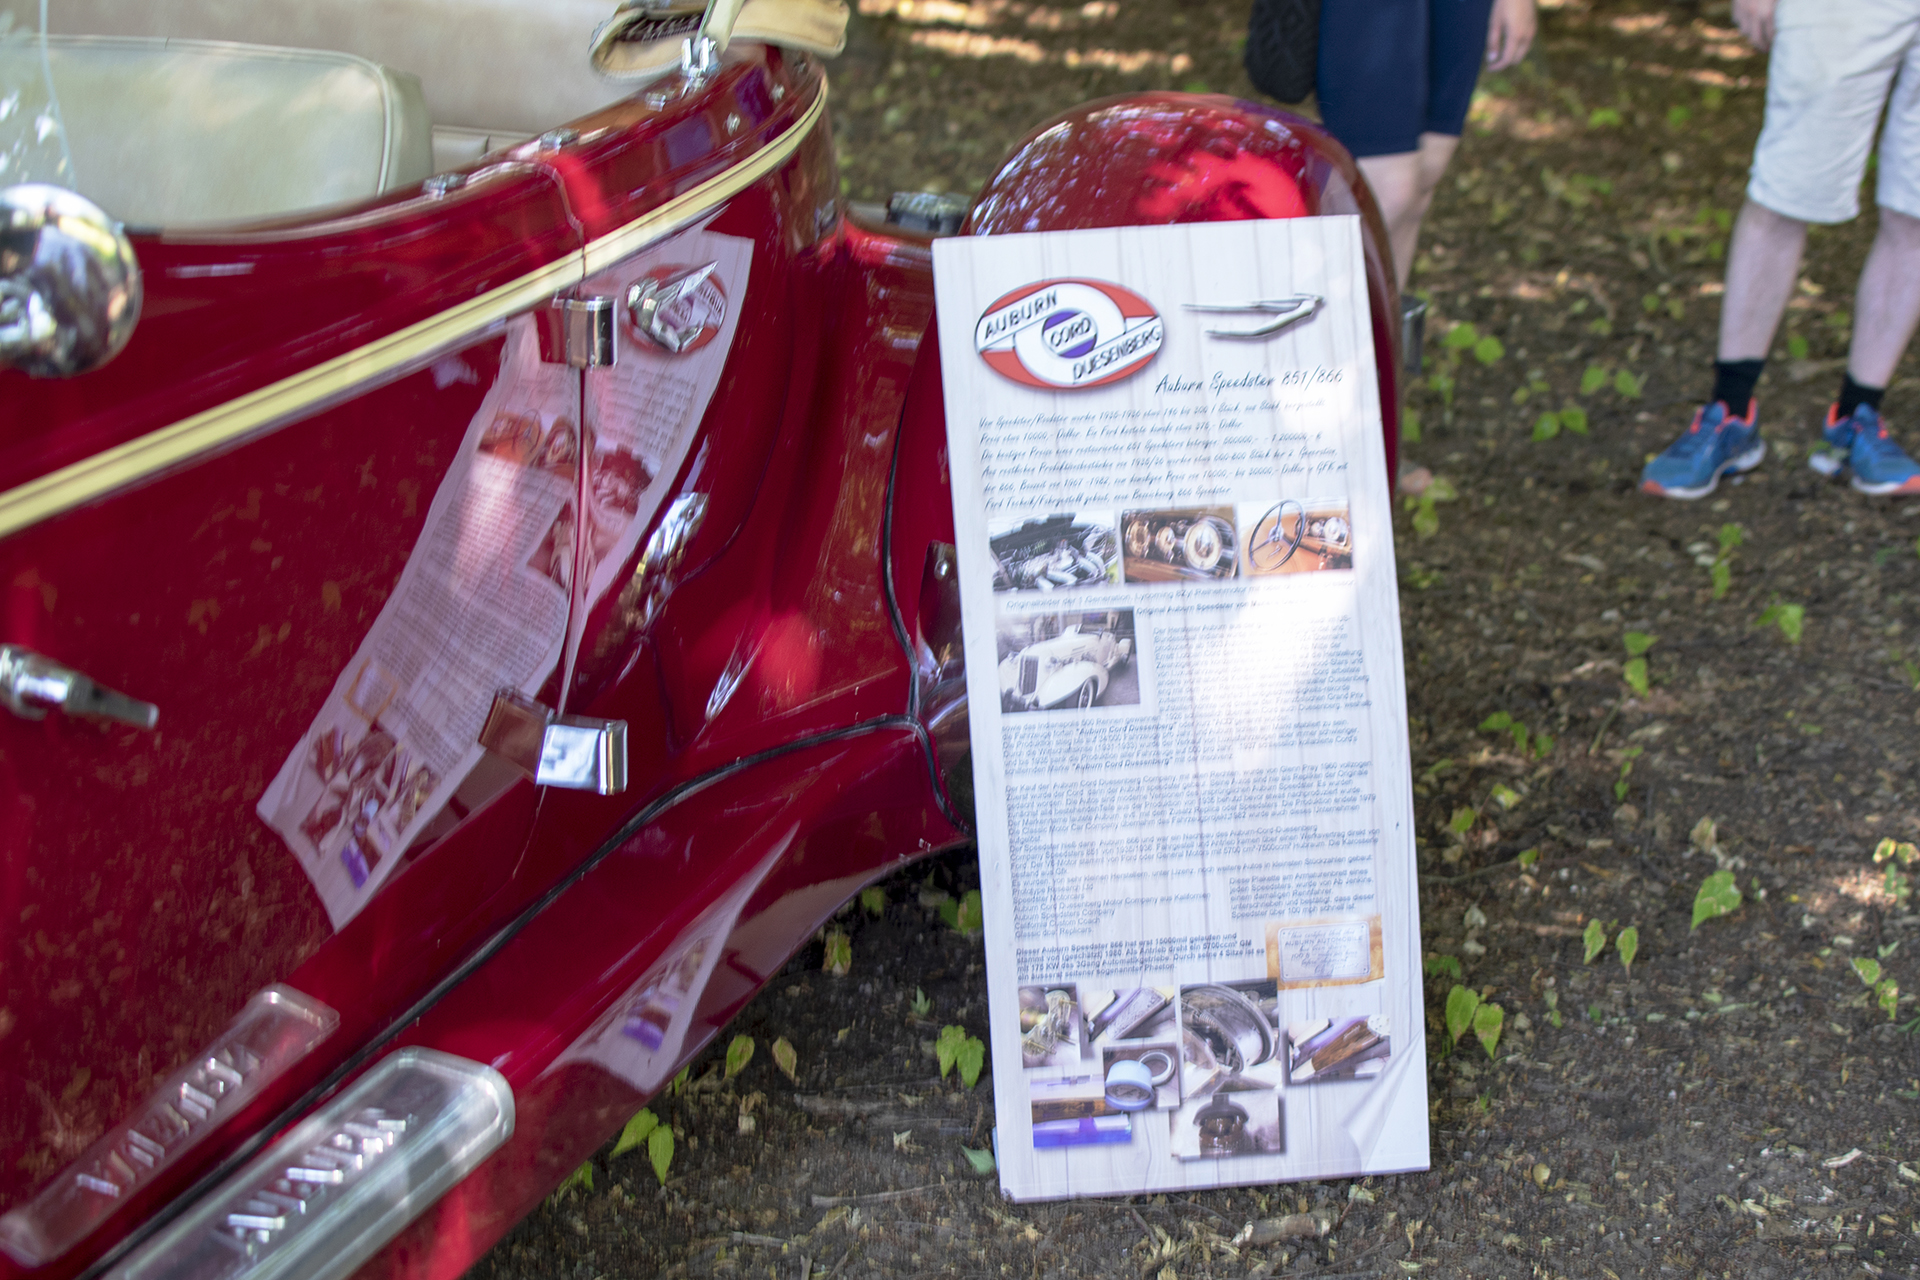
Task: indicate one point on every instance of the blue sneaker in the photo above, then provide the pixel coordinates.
(1880, 466)
(1716, 443)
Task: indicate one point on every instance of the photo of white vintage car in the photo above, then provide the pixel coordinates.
(1070, 662)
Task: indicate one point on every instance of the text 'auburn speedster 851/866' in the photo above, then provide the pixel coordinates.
(477, 584)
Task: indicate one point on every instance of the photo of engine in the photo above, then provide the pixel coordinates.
(1054, 553)
(1179, 545)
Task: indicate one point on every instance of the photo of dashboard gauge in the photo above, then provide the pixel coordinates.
(1180, 544)
(1295, 536)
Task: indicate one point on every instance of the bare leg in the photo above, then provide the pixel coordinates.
(1763, 263)
(1403, 186)
(1887, 303)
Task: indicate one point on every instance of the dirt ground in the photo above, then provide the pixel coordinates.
(1737, 1105)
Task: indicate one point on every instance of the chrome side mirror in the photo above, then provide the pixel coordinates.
(69, 284)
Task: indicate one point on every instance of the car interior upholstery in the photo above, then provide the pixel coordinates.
(228, 110)
(207, 111)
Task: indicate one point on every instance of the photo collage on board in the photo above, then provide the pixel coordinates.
(1211, 1063)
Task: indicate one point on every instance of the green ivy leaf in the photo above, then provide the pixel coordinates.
(981, 1160)
(1438, 966)
(1888, 994)
(1546, 426)
(1527, 857)
(967, 918)
(1426, 521)
(660, 1152)
(1462, 820)
(874, 899)
(739, 1054)
(1460, 336)
(1497, 721)
(1409, 433)
(1627, 385)
(1602, 118)
(970, 1057)
(1731, 536)
(786, 1059)
(1635, 674)
(1718, 896)
(1595, 939)
(947, 1047)
(1461, 1004)
(1637, 642)
(1487, 1021)
(1796, 347)
(839, 954)
(1574, 419)
(1722, 574)
(1869, 970)
(1593, 379)
(581, 1177)
(1504, 796)
(1628, 945)
(1488, 350)
(1542, 745)
(635, 1133)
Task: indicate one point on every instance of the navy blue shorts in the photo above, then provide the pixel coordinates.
(1391, 70)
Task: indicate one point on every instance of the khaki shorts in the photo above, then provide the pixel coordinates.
(1833, 64)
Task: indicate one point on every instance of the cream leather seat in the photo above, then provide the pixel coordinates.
(176, 132)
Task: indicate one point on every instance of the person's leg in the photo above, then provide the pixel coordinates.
(1886, 308)
(1403, 186)
(1763, 265)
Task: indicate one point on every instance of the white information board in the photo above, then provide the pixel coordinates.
(1188, 708)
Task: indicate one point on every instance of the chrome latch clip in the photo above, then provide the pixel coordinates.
(577, 332)
(32, 685)
(574, 752)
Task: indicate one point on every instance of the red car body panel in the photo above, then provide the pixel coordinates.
(790, 678)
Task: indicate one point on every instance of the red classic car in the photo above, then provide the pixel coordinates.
(474, 550)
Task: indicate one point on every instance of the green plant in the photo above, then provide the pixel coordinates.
(645, 1127)
(1409, 426)
(1718, 896)
(1462, 820)
(1635, 672)
(955, 1048)
(963, 914)
(1897, 855)
(1439, 966)
(1502, 722)
(1886, 991)
(1504, 796)
(1594, 940)
(739, 1054)
(1628, 386)
(838, 956)
(1789, 618)
(1462, 1004)
(1552, 998)
(581, 1178)
(1487, 1021)
(1628, 946)
(786, 1059)
(874, 899)
(921, 1005)
(1627, 758)
(981, 1160)
(1602, 118)
(1527, 857)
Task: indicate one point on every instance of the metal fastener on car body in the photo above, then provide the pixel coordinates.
(554, 139)
(441, 183)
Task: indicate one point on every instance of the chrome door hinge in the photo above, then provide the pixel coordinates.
(574, 752)
(577, 332)
(32, 685)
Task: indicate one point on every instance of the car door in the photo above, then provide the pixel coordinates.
(311, 514)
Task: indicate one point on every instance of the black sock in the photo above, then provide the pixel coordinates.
(1853, 395)
(1733, 382)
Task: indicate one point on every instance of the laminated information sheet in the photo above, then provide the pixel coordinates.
(1188, 708)
(533, 524)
